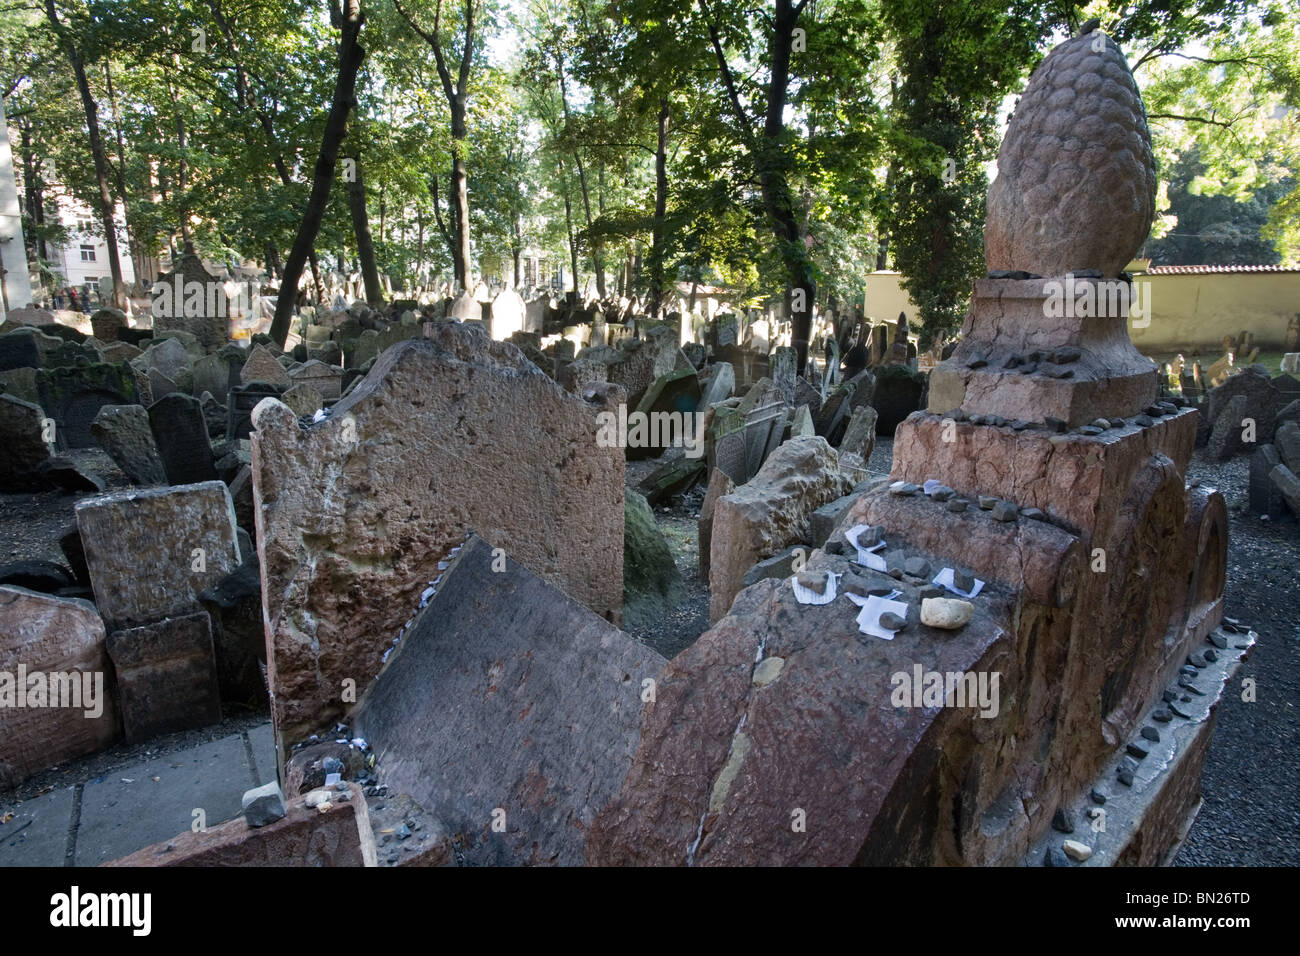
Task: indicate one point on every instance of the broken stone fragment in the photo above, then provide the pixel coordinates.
(1063, 821)
(892, 622)
(942, 493)
(986, 502)
(869, 538)
(956, 505)
(814, 581)
(946, 613)
(917, 567)
(263, 805)
(963, 581)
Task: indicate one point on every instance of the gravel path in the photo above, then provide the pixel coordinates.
(1251, 785)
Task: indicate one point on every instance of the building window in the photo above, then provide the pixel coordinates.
(87, 253)
(84, 225)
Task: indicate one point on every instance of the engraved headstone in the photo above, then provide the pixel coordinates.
(181, 433)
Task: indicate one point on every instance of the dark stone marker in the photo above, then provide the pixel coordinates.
(74, 396)
(166, 676)
(18, 350)
(182, 436)
(243, 399)
(506, 694)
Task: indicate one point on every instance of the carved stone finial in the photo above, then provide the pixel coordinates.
(1076, 178)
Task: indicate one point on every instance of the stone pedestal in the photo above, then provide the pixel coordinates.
(1053, 347)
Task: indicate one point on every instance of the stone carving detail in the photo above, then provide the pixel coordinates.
(1076, 180)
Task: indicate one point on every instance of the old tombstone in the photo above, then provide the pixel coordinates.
(74, 396)
(652, 585)
(19, 350)
(59, 644)
(181, 433)
(325, 379)
(783, 372)
(262, 366)
(124, 432)
(750, 720)
(719, 383)
(502, 675)
(107, 322)
(23, 433)
(150, 552)
(243, 399)
(432, 440)
(192, 300)
(769, 512)
(166, 676)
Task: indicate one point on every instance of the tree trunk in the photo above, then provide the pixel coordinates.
(568, 224)
(106, 210)
(351, 54)
(365, 245)
(460, 195)
(661, 208)
(33, 186)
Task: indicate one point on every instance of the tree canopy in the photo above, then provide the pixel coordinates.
(782, 148)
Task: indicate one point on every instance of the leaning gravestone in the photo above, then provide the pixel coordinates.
(506, 693)
(356, 511)
(125, 433)
(22, 433)
(181, 432)
(60, 635)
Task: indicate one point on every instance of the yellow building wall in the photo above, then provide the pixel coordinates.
(1197, 311)
(1185, 311)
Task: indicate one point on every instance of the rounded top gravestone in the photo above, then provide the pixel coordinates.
(1076, 179)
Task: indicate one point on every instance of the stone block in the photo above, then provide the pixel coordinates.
(166, 676)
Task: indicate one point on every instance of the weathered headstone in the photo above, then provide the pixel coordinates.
(771, 511)
(22, 431)
(124, 432)
(61, 642)
(243, 399)
(181, 433)
(151, 552)
(166, 676)
(504, 693)
(432, 440)
(74, 396)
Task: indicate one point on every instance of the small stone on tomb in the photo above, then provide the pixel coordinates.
(963, 581)
(1198, 660)
(814, 581)
(1150, 733)
(892, 622)
(1004, 511)
(1054, 424)
(1076, 850)
(1210, 654)
(1063, 821)
(956, 505)
(917, 567)
(1137, 750)
(1090, 430)
(987, 502)
(942, 493)
(1179, 712)
(1097, 796)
